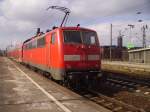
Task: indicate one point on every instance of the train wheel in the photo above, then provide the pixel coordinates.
(68, 82)
(65, 81)
(48, 75)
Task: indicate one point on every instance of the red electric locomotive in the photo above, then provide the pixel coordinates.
(65, 52)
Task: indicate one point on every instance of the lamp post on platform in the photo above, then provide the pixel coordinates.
(144, 27)
(110, 50)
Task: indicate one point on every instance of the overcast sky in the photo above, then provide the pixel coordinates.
(20, 18)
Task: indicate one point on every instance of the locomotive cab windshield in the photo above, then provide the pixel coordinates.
(80, 37)
(89, 38)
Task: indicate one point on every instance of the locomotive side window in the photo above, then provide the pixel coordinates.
(34, 43)
(41, 42)
(30, 45)
(72, 37)
(53, 38)
(89, 37)
(27, 46)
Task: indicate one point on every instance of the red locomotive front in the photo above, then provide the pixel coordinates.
(81, 50)
(81, 54)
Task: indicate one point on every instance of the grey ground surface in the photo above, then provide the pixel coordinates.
(19, 94)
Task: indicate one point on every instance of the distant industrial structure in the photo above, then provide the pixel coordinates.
(120, 42)
(130, 53)
(115, 53)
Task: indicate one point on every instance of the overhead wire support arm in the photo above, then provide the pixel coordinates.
(63, 9)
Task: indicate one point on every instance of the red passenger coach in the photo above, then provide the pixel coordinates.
(67, 53)
(15, 52)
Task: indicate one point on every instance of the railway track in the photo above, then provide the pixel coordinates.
(131, 85)
(127, 79)
(110, 103)
(136, 82)
(106, 101)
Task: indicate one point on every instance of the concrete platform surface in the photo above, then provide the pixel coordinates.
(132, 69)
(22, 90)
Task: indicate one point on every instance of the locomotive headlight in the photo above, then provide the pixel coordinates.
(71, 57)
(93, 57)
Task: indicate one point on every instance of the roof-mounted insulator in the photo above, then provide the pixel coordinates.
(38, 31)
(54, 27)
(78, 25)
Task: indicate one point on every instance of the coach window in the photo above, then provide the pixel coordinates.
(53, 38)
(34, 44)
(27, 46)
(30, 45)
(41, 42)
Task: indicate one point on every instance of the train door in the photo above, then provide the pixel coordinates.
(48, 51)
(53, 50)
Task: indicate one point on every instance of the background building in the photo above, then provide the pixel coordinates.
(140, 55)
(117, 53)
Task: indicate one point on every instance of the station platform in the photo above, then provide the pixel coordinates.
(133, 69)
(22, 90)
